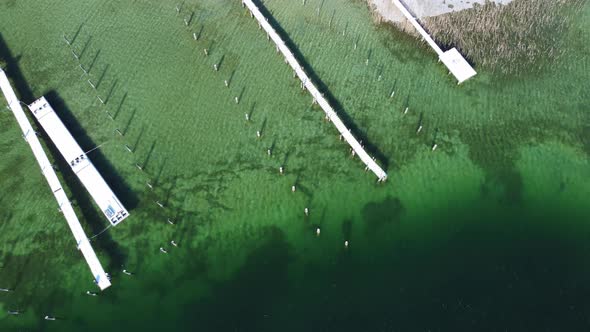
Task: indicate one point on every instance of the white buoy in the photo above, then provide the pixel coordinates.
(293, 189)
(346, 244)
(317, 231)
(306, 210)
(91, 293)
(379, 78)
(163, 250)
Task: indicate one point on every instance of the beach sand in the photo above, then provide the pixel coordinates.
(424, 8)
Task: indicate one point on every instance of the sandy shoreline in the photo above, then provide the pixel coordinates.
(424, 8)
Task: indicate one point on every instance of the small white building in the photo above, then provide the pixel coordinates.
(100, 191)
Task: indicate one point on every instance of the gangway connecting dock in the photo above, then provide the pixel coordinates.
(454, 61)
(307, 83)
(65, 206)
(82, 166)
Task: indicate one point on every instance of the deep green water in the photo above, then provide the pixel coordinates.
(488, 233)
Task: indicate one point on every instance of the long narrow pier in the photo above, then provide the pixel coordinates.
(315, 93)
(97, 187)
(65, 206)
(454, 61)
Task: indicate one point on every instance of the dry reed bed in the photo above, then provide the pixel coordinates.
(523, 36)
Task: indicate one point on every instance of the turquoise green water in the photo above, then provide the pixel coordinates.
(487, 233)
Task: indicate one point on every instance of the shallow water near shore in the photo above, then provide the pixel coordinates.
(489, 232)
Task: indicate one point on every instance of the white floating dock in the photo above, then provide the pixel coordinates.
(46, 168)
(100, 191)
(315, 93)
(454, 61)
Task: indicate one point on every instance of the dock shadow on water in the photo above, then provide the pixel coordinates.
(357, 132)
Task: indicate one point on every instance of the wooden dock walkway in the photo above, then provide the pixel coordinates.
(315, 93)
(65, 206)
